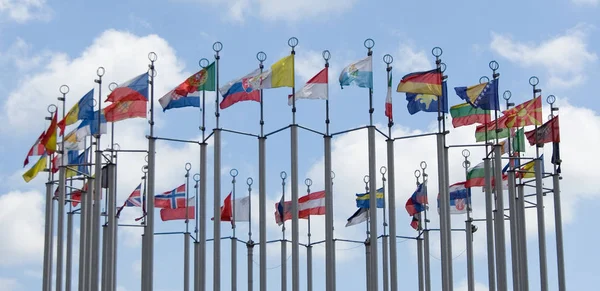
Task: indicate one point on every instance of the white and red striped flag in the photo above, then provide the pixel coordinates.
(311, 204)
(388, 99)
(315, 88)
(37, 149)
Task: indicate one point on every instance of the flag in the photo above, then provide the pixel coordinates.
(242, 209)
(167, 214)
(361, 215)
(311, 204)
(388, 99)
(73, 161)
(527, 113)
(518, 144)
(363, 199)
(39, 166)
(124, 110)
(134, 199)
(504, 148)
(427, 102)
(81, 110)
(171, 199)
(548, 132)
(427, 82)
(279, 209)
(359, 73)
(460, 197)
(484, 95)
(414, 223)
(281, 74)
(528, 169)
(480, 131)
(476, 176)
(71, 142)
(315, 88)
(37, 149)
(49, 139)
(465, 114)
(239, 90)
(556, 156)
(187, 94)
(417, 201)
(89, 127)
(135, 89)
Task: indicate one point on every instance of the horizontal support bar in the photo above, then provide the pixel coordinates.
(349, 130)
(176, 140)
(132, 225)
(274, 132)
(468, 145)
(310, 130)
(239, 132)
(416, 135)
(208, 137)
(349, 241)
(380, 132)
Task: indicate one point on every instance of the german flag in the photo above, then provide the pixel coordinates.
(428, 82)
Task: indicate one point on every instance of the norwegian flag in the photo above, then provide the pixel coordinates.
(171, 199)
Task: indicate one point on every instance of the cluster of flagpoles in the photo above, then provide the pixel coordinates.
(97, 253)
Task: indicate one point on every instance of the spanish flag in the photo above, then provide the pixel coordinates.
(49, 139)
(429, 82)
(39, 166)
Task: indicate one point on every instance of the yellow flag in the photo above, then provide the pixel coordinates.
(39, 166)
(283, 72)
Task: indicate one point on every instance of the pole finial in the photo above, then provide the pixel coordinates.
(534, 81)
(112, 86)
(217, 47)
(388, 59)
(383, 170)
(417, 174)
(100, 72)
(144, 169)
(494, 65)
(152, 57)
(484, 79)
(249, 181)
(293, 42)
(423, 165)
(233, 172)
(64, 89)
(188, 167)
(506, 95)
(308, 182)
(261, 56)
(437, 52)
(332, 175)
(196, 177)
(466, 164)
(551, 99)
(466, 153)
(283, 175)
(369, 43)
(203, 63)
(52, 108)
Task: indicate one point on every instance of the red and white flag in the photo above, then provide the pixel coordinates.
(315, 88)
(311, 204)
(388, 100)
(237, 210)
(179, 213)
(37, 149)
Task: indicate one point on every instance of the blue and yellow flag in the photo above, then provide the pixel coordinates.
(484, 95)
(427, 102)
(362, 199)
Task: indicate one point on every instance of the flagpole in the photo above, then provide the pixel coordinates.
(388, 59)
(233, 173)
(186, 235)
(522, 236)
(329, 240)
(333, 241)
(201, 272)
(98, 192)
(384, 239)
(309, 272)
(293, 42)
(64, 89)
(217, 47)
(144, 203)
(489, 209)
(84, 217)
(427, 257)
(539, 194)
(148, 258)
(445, 234)
(512, 205)
(69, 259)
(262, 190)
(112, 208)
(368, 269)
(469, 228)
(197, 262)
(250, 243)
(49, 221)
(283, 176)
(560, 255)
(419, 240)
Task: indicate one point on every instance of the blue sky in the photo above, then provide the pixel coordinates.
(46, 44)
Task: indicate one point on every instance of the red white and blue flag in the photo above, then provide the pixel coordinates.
(311, 204)
(171, 199)
(135, 89)
(460, 198)
(134, 200)
(239, 90)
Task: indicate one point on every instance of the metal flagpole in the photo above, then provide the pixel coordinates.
(97, 193)
(148, 257)
(539, 194)
(201, 272)
(369, 44)
(250, 243)
(333, 245)
(197, 281)
(391, 193)
(560, 255)
(329, 241)
(113, 226)
(283, 176)
(88, 227)
(445, 234)
(309, 273)
(367, 240)
(144, 222)
(499, 214)
(217, 46)
(522, 236)
(293, 42)
(384, 238)
(469, 228)
(420, 274)
(512, 205)
(427, 257)
(84, 212)
(233, 173)
(69, 259)
(60, 218)
(186, 235)
(262, 190)
(49, 221)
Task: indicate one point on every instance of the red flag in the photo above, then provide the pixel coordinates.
(226, 209)
(49, 139)
(548, 132)
(167, 214)
(124, 110)
(37, 149)
(311, 204)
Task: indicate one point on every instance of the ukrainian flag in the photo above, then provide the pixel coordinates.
(362, 199)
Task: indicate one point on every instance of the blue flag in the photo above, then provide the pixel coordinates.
(484, 95)
(362, 199)
(427, 102)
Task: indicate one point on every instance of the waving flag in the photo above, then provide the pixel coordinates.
(527, 113)
(315, 88)
(363, 199)
(81, 110)
(125, 109)
(311, 204)
(476, 176)
(465, 114)
(239, 90)
(187, 94)
(37, 149)
(187, 211)
(171, 199)
(135, 89)
(359, 73)
(134, 199)
(89, 127)
(281, 74)
(417, 201)
(39, 166)
(460, 198)
(548, 132)
(361, 215)
(428, 82)
(484, 95)
(388, 99)
(427, 102)
(49, 139)
(490, 128)
(241, 206)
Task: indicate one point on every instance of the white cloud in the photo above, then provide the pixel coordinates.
(19, 53)
(463, 286)
(409, 59)
(564, 57)
(586, 2)
(9, 284)
(25, 10)
(22, 226)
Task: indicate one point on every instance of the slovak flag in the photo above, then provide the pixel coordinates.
(239, 90)
(171, 199)
(315, 88)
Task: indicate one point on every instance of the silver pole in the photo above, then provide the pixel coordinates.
(283, 176)
(333, 245)
(522, 236)
(48, 238)
(329, 240)
(424, 222)
(369, 43)
(469, 229)
(368, 262)
(144, 222)
(445, 235)
(514, 241)
(233, 239)
(250, 246)
(114, 228)
(186, 234)
(250, 243)
(217, 46)
(560, 256)
(294, 181)
(385, 238)
(262, 190)
(499, 221)
(391, 196)
(83, 237)
(197, 281)
(60, 218)
(201, 274)
(95, 259)
(309, 273)
(69, 267)
(90, 234)
(148, 258)
(489, 223)
(104, 273)
(420, 263)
